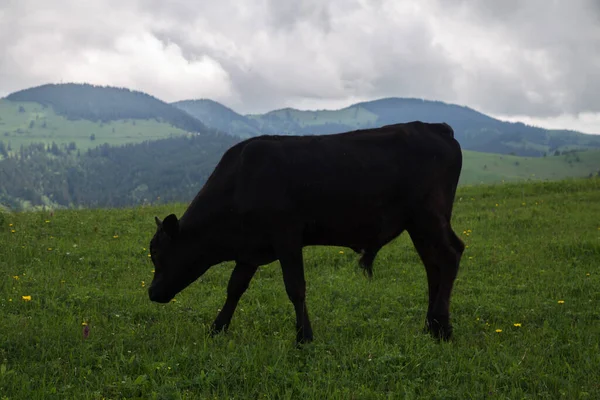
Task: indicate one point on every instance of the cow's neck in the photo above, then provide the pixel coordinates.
(211, 223)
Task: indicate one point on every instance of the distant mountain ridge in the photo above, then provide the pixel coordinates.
(101, 104)
(105, 103)
(218, 116)
(474, 130)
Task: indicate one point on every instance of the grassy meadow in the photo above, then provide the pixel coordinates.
(34, 123)
(77, 322)
(483, 168)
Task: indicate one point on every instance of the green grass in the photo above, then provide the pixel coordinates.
(530, 247)
(24, 128)
(496, 168)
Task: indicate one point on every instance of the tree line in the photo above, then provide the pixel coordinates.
(164, 170)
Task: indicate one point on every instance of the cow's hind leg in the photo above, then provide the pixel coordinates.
(238, 283)
(440, 250)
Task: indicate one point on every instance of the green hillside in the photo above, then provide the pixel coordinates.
(171, 169)
(104, 103)
(77, 322)
(495, 168)
(24, 123)
(474, 130)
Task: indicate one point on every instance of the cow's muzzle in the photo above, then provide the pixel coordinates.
(157, 296)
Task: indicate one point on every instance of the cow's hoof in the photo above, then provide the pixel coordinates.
(302, 340)
(216, 330)
(301, 343)
(439, 328)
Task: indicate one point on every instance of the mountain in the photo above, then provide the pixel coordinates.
(218, 116)
(474, 130)
(84, 116)
(105, 104)
(77, 145)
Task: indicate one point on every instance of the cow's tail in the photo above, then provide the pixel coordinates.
(366, 261)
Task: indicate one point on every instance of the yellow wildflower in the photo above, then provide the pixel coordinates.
(115, 236)
(12, 231)
(12, 225)
(518, 324)
(47, 221)
(49, 248)
(173, 300)
(16, 277)
(341, 252)
(496, 204)
(498, 330)
(84, 323)
(561, 302)
(588, 274)
(143, 284)
(26, 298)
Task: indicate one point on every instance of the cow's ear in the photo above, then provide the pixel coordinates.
(171, 226)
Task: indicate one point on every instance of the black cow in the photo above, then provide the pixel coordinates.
(270, 196)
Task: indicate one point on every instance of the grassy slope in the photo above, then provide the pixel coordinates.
(63, 131)
(496, 168)
(530, 247)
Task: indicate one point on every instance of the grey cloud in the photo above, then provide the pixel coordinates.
(535, 58)
(287, 14)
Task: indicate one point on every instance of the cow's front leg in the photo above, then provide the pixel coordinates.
(292, 267)
(238, 283)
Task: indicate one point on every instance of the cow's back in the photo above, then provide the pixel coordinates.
(355, 168)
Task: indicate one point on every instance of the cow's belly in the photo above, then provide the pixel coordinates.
(354, 231)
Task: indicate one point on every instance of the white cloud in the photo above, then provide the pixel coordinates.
(584, 122)
(143, 61)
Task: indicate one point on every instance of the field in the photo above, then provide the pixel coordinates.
(496, 168)
(77, 322)
(35, 124)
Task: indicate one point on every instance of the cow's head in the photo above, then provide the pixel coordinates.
(177, 260)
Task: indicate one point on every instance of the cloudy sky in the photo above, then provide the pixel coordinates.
(532, 60)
